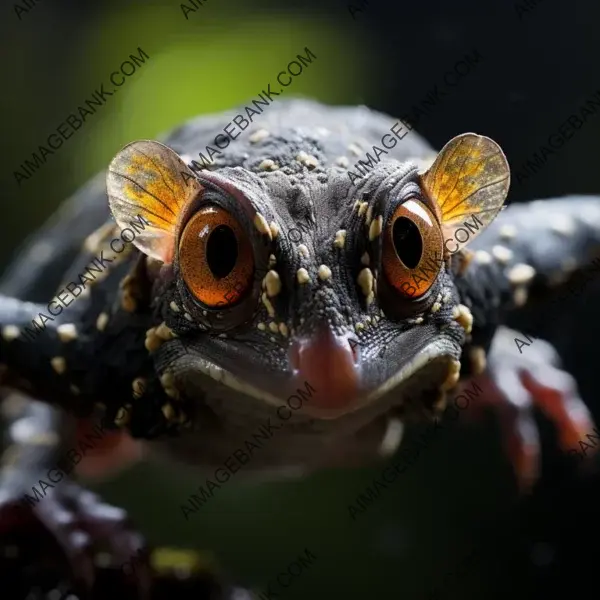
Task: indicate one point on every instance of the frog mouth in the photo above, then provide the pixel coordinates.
(431, 370)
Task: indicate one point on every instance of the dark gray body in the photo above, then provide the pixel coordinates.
(224, 419)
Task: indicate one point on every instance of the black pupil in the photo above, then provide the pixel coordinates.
(221, 251)
(407, 241)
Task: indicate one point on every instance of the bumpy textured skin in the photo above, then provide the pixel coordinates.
(103, 364)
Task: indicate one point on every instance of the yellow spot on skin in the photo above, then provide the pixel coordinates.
(483, 257)
(272, 283)
(452, 377)
(370, 298)
(122, 417)
(261, 224)
(102, 321)
(10, 332)
(521, 273)
(507, 232)
(268, 164)
(359, 327)
(259, 136)
(376, 228)
(478, 359)
(303, 250)
(283, 329)
(261, 326)
(324, 272)
(362, 209)
(167, 379)
(274, 327)
(138, 385)
(369, 216)
(59, 364)
(436, 307)
(128, 302)
(74, 390)
(502, 254)
(67, 332)
(152, 342)
(520, 296)
(43, 438)
(173, 306)
(563, 225)
(164, 332)
(302, 276)
(172, 393)
(340, 238)
(463, 316)
(342, 161)
(308, 160)
(187, 317)
(356, 205)
(268, 305)
(272, 261)
(354, 149)
(274, 229)
(365, 259)
(418, 320)
(365, 281)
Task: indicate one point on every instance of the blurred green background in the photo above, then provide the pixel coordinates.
(388, 57)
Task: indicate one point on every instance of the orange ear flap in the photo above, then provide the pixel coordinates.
(149, 180)
(468, 183)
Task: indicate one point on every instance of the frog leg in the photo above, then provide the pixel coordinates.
(35, 488)
(514, 385)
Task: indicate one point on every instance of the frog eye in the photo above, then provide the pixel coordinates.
(412, 249)
(216, 257)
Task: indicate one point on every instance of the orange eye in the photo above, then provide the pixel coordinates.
(412, 249)
(216, 257)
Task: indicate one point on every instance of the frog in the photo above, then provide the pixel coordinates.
(323, 277)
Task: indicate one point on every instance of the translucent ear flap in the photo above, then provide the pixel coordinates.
(149, 180)
(468, 183)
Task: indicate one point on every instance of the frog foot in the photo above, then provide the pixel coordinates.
(515, 384)
(79, 522)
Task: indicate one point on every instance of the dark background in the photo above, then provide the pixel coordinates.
(534, 73)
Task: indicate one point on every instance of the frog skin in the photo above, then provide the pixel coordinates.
(369, 309)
